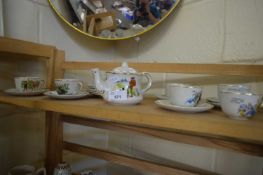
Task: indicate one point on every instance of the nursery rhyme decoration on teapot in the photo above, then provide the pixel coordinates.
(113, 19)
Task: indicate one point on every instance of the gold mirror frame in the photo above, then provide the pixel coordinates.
(121, 38)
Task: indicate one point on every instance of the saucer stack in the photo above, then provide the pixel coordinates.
(54, 94)
(214, 101)
(93, 90)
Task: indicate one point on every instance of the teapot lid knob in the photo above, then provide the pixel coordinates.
(124, 65)
(124, 69)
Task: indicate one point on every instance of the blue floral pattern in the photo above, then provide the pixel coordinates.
(195, 98)
(247, 110)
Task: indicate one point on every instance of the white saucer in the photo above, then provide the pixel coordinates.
(54, 94)
(14, 91)
(214, 100)
(199, 108)
(162, 97)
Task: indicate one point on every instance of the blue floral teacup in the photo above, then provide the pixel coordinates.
(184, 95)
(238, 105)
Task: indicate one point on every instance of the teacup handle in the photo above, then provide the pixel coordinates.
(42, 84)
(41, 170)
(149, 84)
(81, 85)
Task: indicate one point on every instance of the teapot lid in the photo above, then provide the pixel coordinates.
(124, 68)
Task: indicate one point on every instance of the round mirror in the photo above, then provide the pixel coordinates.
(113, 19)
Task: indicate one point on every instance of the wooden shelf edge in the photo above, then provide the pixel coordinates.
(15, 46)
(205, 124)
(210, 142)
(136, 163)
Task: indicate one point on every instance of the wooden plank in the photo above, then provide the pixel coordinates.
(177, 169)
(217, 143)
(213, 123)
(54, 140)
(59, 60)
(216, 69)
(50, 71)
(91, 26)
(24, 47)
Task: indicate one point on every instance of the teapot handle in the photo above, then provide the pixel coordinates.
(149, 84)
(41, 171)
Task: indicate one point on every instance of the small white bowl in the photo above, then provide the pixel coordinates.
(238, 105)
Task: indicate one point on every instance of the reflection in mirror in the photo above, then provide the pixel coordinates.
(113, 19)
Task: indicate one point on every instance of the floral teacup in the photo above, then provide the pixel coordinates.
(29, 84)
(68, 86)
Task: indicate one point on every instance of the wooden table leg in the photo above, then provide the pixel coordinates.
(54, 141)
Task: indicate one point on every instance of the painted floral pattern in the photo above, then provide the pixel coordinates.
(30, 85)
(194, 99)
(62, 88)
(247, 110)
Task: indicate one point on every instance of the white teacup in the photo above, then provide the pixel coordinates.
(68, 86)
(26, 170)
(167, 89)
(184, 95)
(232, 87)
(238, 105)
(29, 84)
(167, 92)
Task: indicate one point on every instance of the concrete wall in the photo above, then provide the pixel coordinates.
(200, 31)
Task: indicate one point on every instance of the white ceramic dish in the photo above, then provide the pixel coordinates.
(214, 101)
(54, 94)
(17, 92)
(199, 108)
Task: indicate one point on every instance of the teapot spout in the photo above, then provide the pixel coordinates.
(99, 84)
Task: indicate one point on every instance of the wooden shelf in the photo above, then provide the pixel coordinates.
(209, 129)
(24, 49)
(15, 46)
(211, 124)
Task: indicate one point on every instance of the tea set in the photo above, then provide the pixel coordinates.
(236, 100)
(123, 86)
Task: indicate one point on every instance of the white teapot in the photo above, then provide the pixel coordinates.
(122, 85)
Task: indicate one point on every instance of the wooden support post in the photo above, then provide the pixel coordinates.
(59, 60)
(54, 141)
